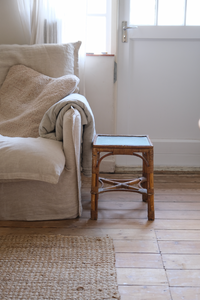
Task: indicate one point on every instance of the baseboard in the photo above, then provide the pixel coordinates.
(108, 165)
(172, 155)
(169, 156)
(158, 169)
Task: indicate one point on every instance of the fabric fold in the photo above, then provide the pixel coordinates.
(51, 126)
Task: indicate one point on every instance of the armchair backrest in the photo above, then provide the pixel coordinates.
(53, 60)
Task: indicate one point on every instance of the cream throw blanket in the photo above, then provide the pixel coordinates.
(26, 95)
(51, 125)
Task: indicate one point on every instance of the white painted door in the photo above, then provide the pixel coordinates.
(159, 90)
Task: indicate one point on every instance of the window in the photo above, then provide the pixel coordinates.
(98, 33)
(193, 12)
(87, 20)
(165, 12)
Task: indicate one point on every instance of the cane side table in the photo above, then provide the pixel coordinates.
(139, 146)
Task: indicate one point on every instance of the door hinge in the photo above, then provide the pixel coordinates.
(115, 71)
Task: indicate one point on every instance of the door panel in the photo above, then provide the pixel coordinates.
(159, 91)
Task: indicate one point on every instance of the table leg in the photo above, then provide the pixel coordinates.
(144, 174)
(150, 186)
(94, 185)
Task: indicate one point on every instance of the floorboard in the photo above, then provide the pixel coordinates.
(145, 293)
(181, 262)
(186, 293)
(155, 260)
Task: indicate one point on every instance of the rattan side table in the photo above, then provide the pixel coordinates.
(139, 146)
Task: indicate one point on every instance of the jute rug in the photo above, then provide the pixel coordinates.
(57, 267)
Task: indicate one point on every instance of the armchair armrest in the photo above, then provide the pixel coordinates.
(72, 137)
(72, 141)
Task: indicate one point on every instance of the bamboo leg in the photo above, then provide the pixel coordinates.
(144, 174)
(150, 185)
(94, 185)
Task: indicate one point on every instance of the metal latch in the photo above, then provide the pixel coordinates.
(124, 31)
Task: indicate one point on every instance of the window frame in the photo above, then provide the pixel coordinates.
(108, 16)
(156, 16)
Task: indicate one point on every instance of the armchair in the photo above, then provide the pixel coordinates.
(46, 132)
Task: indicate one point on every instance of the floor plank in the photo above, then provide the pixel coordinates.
(131, 276)
(181, 247)
(184, 278)
(178, 234)
(145, 293)
(142, 246)
(178, 215)
(139, 205)
(110, 223)
(146, 234)
(138, 260)
(142, 223)
(180, 293)
(176, 195)
(180, 261)
(141, 214)
(176, 206)
(118, 214)
(185, 197)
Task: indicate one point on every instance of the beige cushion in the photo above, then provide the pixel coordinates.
(26, 95)
(31, 158)
(52, 60)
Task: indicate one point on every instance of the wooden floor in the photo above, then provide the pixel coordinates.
(155, 260)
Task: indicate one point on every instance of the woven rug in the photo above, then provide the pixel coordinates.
(57, 267)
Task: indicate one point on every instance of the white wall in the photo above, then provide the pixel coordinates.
(11, 31)
(100, 95)
(100, 91)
